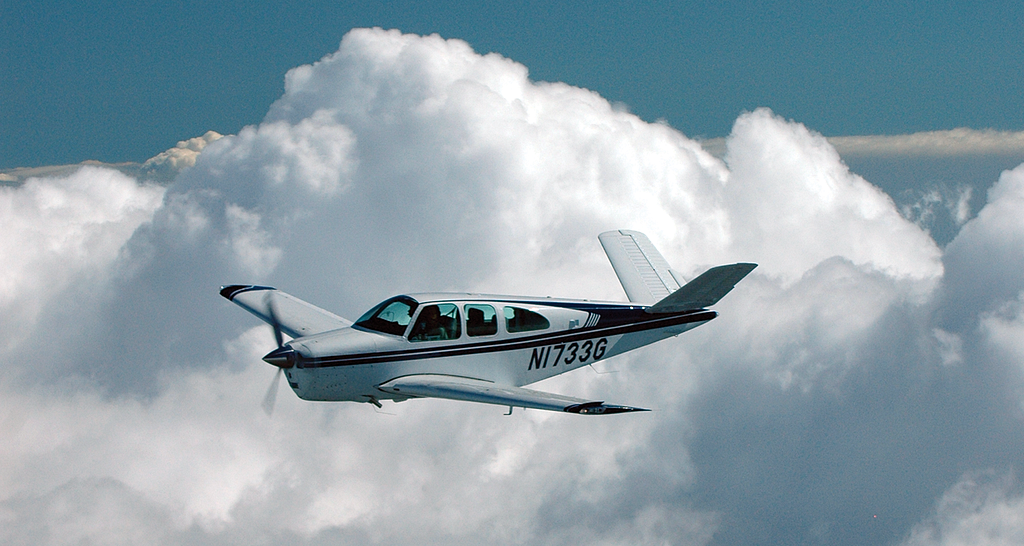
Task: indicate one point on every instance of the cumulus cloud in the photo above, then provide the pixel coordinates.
(60, 232)
(845, 379)
(786, 179)
(182, 155)
(161, 168)
(985, 261)
(980, 509)
(937, 178)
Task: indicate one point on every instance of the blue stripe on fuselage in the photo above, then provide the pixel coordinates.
(614, 321)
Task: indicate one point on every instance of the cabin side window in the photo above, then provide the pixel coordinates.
(524, 320)
(481, 320)
(436, 323)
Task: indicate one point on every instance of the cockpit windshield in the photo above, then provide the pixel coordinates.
(390, 316)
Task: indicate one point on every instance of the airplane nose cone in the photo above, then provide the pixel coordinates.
(282, 357)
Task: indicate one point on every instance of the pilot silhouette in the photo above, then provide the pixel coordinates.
(428, 326)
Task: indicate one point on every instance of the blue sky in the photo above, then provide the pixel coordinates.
(118, 81)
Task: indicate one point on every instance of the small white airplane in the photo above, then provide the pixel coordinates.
(483, 348)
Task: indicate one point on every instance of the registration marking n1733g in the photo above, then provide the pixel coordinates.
(568, 354)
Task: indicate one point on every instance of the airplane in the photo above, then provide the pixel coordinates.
(479, 347)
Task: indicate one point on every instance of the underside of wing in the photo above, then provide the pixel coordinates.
(485, 392)
(296, 317)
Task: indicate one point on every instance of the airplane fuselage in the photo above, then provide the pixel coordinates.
(349, 364)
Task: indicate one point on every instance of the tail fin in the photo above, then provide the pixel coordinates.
(704, 291)
(645, 275)
(647, 278)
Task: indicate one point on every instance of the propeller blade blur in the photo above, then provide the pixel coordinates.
(271, 397)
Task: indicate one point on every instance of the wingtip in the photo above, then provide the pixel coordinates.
(600, 408)
(233, 290)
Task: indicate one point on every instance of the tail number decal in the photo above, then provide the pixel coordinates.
(573, 353)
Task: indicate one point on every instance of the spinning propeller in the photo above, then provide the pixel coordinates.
(283, 357)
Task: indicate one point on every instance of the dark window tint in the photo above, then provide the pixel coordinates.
(523, 320)
(481, 320)
(437, 323)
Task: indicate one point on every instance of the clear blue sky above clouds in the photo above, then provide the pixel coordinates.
(117, 81)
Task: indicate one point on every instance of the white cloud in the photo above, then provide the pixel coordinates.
(805, 335)
(162, 167)
(793, 204)
(250, 244)
(951, 347)
(203, 455)
(183, 154)
(311, 155)
(1003, 331)
(984, 262)
(980, 510)
(404, 163)
(63, 231)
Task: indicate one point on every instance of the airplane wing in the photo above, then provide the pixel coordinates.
(704, 291)
(645, 275)
(476, 390)
(296, 317)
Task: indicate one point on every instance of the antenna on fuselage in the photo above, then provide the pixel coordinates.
(591, 366)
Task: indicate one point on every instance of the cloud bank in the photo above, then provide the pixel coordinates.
(960, 142)
(851, 386)
(954, 142)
